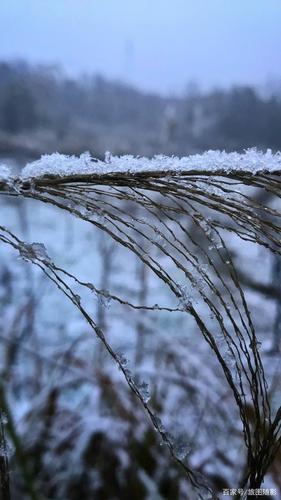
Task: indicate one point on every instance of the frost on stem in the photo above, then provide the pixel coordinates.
(34, 251)
(190, 293)
(159, 425)
(186, 297)
(180, 445)
(104, 298)
(212, 234)
(181, 449)
(19, 185)
(122, 359)
(143, 389)
(141, 386)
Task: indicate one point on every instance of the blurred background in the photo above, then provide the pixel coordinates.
(139, 78)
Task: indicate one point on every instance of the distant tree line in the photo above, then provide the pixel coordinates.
(98, 114)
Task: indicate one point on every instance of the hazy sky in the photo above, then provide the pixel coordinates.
(158, 45)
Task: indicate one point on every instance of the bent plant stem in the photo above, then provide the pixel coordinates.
(50, 269)
(177, 198)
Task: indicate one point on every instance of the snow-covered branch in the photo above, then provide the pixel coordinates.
(212, 162)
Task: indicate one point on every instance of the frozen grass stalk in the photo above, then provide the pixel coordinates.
(215, 191)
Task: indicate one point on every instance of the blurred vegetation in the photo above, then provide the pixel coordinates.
(41, 111)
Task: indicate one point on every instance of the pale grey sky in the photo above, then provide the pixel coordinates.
(158, 45)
